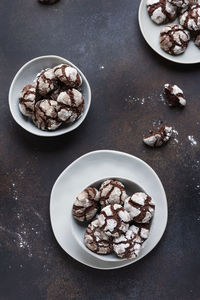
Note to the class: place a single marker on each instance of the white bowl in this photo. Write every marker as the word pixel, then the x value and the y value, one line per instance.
pixel 27 75
pixel 92 167
pixel 151 33
pixel 78 229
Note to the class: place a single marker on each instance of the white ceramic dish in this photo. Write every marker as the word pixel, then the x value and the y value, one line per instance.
pixel 26 75
pixel 151 33
pixel 78 229
pixel 93 167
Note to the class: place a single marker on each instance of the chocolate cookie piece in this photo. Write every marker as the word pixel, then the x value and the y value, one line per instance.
pixel 96 240
pixel 142 230
pixel 158 138
pixel 140 207
pixel 174 39
pixel 48 1
pixel 174 95
pixel 70 105
pixel 197 41
pixel 45 116
pixel 161 11
pixel 27 100
pixel 68 75
pixel 183 3
pixel 46 82
pixel 128 245
pixel 86 205
pixel 190 19
pixel 111 192
pixel 114 220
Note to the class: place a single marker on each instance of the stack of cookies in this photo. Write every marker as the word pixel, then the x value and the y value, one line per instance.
pixel 115 221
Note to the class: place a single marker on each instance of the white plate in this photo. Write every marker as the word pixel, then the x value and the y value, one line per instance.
pixel 151 33
pixel 92 167
pixel 26 75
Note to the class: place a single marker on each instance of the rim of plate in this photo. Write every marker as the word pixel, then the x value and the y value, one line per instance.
pixel 126 262
pixel 163 54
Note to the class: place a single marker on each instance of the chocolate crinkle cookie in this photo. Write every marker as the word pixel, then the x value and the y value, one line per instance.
pixel 45 115
pixel 27 100
pixel 114 220
pixel 86 205
pixel 190 19
pixel 183 3
pixel 174 39
pixel 140 207
pixel 158 138
pixel 111 192
pixel 70 105
pixel 174 95
pixel 161 11
pixel 128 245
pixel 68 75
pixel 197 41
pixel 48 1
pixel 96 240
pixel 46 82
pixel 141 229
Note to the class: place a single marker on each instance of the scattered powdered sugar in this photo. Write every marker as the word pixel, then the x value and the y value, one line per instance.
pixel 193 142
pixel 101 67
pixel 132 99
pixel 175 136
pixel 162 98
pixel 13 191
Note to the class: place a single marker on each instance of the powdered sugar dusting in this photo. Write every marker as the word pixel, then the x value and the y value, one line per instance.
pixel 192 140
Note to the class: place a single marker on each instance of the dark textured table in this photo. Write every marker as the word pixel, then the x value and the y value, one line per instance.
pixel 126 77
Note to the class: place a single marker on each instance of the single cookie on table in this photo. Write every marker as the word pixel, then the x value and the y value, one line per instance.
pixel 48 1
pixel 174 95
pixel 114 220
pixel 111 192
pixel 70 105
pixel 46 82
pixel 161 11
pixel 197 41
pixel 27 100
pixel 158 138
pixel 86 205
pixel 174 39
pixel 141 229
pixel 183 3
pixel 140 207
pixel 68 75
pixel 127 245
pixel 96 240
pixel 190 19
pixel 45 116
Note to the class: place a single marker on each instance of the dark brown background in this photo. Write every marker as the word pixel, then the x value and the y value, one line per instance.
pixel 93 34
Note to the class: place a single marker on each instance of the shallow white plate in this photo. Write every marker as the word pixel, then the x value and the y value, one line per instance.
pixel 26 75
pixel 151 33
pixel 93 167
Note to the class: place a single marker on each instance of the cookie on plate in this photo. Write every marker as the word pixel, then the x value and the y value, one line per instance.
pixel 140 207
pixel 174 39
pixel 96 240
pixel 111 192
pixel 114 220
pixel 161 11
pixel 190 19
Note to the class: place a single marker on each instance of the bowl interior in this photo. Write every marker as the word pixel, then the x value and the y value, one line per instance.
pixel 27 75
pixel 78 228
